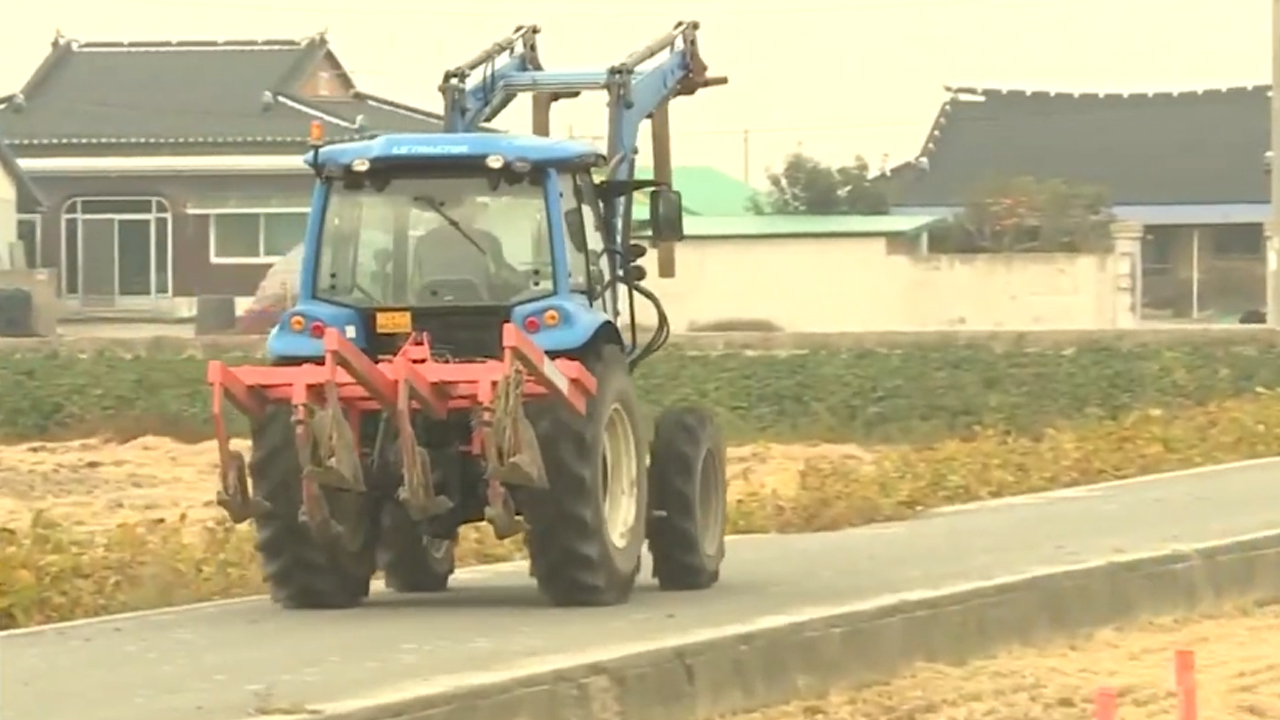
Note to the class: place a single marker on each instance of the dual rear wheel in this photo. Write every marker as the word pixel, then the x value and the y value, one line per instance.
pixel 611 488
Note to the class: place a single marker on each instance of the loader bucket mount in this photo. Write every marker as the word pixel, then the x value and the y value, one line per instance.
pixel 328 398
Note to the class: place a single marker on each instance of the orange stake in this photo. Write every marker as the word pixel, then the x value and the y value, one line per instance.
pixel 1184 678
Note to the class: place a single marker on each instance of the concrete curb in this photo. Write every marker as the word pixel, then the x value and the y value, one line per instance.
pixel 783 659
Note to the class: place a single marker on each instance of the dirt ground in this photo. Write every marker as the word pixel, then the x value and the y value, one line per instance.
pixel 1238 677
pixel 100 484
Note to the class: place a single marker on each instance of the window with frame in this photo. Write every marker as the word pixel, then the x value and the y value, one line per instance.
pixel 255 237
pixel 116 246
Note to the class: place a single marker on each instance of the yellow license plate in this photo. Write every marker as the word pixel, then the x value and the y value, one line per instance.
pixel 392 322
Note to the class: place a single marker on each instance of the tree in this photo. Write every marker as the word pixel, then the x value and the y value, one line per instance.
pixel 1029 215
pixel 806 186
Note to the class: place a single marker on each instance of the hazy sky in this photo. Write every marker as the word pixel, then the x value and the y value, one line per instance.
pixel 836 77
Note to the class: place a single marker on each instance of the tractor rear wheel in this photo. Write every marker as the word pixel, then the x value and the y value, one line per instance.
pixel 687 479
pixel 586 533
pixel 412 562
pixel 302 572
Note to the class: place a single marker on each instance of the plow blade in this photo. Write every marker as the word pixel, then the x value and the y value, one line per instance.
pixel 233 494
pixel 328 398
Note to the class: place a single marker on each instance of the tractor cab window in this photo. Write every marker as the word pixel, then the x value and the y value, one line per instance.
pixel 593 221
pixel 585 234
pixel 430 240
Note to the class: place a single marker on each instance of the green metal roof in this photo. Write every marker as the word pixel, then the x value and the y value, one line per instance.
pixel 705 191
pixel 764 226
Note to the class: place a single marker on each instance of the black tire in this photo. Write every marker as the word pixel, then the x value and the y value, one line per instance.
pixel 410 564
pixel 571 555
pixel 687 481
pixel 301 571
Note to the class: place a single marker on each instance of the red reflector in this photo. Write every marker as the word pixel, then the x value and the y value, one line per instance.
pixel 531 324
pixel 317 329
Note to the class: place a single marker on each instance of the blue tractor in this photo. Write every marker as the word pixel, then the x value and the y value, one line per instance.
pixel 456 353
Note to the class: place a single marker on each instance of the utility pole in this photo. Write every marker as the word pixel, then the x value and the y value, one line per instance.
pixel 1273 229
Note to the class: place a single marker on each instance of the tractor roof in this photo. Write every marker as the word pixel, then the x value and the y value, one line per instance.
pixel 533 149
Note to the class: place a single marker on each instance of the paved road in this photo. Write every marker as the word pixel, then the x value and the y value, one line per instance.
pixel 212 663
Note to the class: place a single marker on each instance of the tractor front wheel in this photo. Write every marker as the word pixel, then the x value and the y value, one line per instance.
pixel 303 572
pixel 687 478
pixel 586 532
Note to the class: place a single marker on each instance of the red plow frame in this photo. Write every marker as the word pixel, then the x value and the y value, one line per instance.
pixel 327 399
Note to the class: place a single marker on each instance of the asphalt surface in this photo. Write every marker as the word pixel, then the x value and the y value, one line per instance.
pixel 219 663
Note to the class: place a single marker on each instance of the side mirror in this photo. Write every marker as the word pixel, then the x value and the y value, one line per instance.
pixel 636 273
pixel 666 215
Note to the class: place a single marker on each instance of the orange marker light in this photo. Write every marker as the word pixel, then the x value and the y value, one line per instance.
pixel 317 132
pixel 551 318
pixel 297 324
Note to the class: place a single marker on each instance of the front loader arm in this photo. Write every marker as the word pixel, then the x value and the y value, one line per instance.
pixel 467 108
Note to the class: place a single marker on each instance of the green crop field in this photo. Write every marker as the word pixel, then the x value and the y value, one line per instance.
pixel 916 392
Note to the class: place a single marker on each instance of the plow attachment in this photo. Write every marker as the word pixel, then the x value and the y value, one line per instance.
pixel 328 399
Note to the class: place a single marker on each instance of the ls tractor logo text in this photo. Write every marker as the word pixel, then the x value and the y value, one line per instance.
pixel 431 150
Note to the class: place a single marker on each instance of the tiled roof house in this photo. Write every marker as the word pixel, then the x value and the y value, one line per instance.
pixel 1189 166
pixel 174 169
pixel 1167 158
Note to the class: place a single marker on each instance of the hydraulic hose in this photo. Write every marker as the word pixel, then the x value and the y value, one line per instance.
pixel 661 333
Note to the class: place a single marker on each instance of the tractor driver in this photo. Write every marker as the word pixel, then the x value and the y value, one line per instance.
pixel 467 251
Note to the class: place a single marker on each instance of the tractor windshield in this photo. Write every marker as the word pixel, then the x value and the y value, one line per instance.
pixel 429 240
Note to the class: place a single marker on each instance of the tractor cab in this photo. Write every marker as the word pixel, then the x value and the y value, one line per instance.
pixel 452 235
pixel 457 343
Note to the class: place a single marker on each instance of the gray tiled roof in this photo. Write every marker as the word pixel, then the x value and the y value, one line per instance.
pixel 234 92
pixel 29 199
pixel 1196 147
